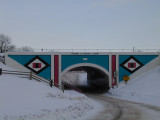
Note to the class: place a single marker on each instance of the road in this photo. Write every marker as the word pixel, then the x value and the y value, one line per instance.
pixel 115 109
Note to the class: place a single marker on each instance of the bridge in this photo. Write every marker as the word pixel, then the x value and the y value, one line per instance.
pixel 104 69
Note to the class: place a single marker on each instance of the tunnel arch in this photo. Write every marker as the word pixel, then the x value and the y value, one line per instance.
pixel 97 70
pixel 87 65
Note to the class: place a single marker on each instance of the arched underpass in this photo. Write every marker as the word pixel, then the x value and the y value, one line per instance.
pixel 96 81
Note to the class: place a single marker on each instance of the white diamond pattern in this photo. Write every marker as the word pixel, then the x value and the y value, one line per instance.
pixel 132 61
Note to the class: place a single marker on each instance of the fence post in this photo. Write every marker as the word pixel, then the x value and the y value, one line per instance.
pixel 30 75
pixel 51 83
pixel 63 87
pixel 0 71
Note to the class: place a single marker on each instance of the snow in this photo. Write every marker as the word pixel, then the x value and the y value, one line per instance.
pixel 24 99
pixel 143 89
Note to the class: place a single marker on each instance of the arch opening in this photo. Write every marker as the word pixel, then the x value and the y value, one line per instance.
pixel 87 79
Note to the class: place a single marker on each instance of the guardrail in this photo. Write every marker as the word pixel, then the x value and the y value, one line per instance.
pixel 31 76
pixel 97 50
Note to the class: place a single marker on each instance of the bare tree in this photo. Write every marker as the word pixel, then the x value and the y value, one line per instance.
pixel 5 44
pixel 11 48
pixel 25 49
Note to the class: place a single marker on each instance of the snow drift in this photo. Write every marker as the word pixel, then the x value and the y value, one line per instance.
pixel 144 89
pixel 30 100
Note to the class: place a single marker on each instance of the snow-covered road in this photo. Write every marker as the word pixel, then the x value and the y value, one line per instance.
pixel 116 109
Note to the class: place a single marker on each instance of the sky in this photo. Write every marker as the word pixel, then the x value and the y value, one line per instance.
pixel 82 24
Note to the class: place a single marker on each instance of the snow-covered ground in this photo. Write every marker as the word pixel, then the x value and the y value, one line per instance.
pixel 143 89
pixel 23 99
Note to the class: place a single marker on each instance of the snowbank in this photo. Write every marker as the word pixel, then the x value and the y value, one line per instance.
pixel 144 89
pixel 23 99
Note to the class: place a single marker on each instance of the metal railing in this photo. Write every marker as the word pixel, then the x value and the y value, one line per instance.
pixel 97 50
pixel 30 75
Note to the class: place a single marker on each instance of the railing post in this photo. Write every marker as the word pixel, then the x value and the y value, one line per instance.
pixel 30 75
pixel 133 49
pixel 0 71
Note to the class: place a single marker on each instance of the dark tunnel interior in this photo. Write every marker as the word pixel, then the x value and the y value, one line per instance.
pixel 97 80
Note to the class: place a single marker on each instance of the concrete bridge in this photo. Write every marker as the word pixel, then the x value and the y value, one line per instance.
pixel 109 67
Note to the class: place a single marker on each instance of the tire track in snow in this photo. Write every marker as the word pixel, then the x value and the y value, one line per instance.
pixel 116 109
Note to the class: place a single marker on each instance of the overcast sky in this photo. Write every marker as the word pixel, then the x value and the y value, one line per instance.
pixel 97 24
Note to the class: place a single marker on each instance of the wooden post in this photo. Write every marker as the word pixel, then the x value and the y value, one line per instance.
pixel 30 75
pixel 51 83
pixel 63 87
pixel 0 71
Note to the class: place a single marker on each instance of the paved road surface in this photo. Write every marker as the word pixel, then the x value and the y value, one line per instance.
pixel 115 109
